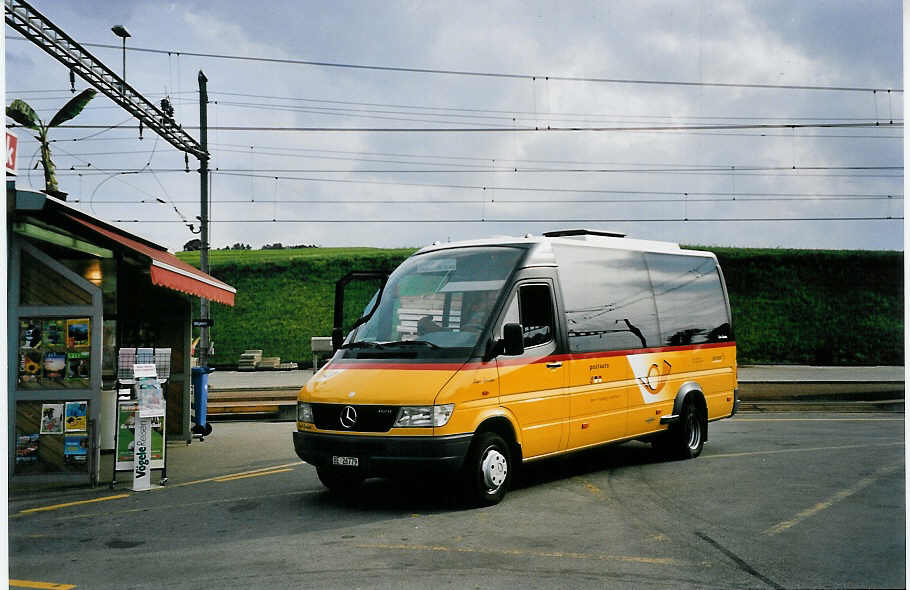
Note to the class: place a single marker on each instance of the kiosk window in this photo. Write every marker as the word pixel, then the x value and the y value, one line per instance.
pixel 533 309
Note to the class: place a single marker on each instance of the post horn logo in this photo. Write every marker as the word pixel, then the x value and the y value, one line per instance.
pixel 348 417
pixel 656 378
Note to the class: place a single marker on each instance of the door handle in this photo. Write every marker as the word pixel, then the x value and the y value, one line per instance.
pixel 554 365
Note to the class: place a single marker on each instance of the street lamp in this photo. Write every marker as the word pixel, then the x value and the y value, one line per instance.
pixel 121 32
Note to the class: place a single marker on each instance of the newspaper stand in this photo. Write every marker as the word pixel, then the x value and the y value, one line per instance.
pixel 132 364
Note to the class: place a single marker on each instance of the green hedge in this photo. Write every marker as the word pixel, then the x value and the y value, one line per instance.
pixel 816 307
pixel 789 306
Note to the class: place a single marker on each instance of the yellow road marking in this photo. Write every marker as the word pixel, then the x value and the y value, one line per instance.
pixel 219 478
pixel 68 504
pixel 798 450
pixel 46 585
pixel 524 553
pixel 258 474
pixel 819 419
pixel 593 489
pixel 834 499
pixel 231 475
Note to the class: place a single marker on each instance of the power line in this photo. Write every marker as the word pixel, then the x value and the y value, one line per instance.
pixel 507 120
pixel 853 171
pixel 484 187
pixel 508 114
pixel 518 76
pixel 723 134
pixel 538 128
pixel 296 152
pixel 527 221
pixel 560 202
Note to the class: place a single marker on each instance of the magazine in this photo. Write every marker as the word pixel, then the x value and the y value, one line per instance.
pixel 30 333
pixel 75 448
pixel 77 368
pixel 54 367
pixel 30 363
pixel 150 397
pixel 52 418
pixel 26 448
pixel 76 416
pixel 54 336
pixel 77 332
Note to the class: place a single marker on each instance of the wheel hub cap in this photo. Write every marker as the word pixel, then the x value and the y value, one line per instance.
pixel 495 469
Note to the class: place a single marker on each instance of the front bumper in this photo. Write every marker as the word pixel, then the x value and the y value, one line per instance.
pixel 385 455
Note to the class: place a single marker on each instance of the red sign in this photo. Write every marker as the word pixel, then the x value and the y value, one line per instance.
pixel 12 146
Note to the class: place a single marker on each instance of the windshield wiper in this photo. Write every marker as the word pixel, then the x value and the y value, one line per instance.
pixel 412 343
pixel 363 344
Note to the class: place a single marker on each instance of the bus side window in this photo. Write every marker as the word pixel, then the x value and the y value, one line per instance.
pixel 533 309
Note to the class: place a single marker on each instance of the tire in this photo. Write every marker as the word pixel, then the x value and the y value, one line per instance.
pixel 488 470
pixel 339 480
pixel 686 438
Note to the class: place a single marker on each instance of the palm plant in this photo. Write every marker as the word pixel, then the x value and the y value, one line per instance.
pixel 20 112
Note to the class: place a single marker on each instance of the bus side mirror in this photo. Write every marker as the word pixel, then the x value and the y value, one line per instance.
pixel 513 339
pixel 337 338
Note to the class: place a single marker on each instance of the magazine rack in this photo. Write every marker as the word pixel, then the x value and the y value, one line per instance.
pixel 127 404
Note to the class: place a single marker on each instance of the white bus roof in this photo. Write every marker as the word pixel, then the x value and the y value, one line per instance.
pixel 543 253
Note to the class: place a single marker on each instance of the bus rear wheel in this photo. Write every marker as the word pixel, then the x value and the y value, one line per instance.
pixel 686 438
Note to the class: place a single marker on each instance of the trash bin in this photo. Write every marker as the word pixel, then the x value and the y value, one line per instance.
pixel 201 399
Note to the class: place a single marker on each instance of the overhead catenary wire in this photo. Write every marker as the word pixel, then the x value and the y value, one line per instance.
pixel 475 113
pixel 478 186
pixel 506 121
pixel 470 73
pixel 528 221
pixel 549 202
pixel 509 113
pixel 818 171
pixel 531 129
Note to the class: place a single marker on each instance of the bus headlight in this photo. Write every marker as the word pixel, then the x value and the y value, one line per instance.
pixel 304 412
pixel 424 416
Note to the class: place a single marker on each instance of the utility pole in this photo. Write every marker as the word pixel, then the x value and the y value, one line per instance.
pixel 203 215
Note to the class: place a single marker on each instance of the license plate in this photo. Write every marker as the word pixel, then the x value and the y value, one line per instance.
pixel 346 461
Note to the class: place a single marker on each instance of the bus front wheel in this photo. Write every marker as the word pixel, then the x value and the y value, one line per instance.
pixel 488 470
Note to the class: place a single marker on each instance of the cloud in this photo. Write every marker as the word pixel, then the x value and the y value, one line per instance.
pixel 768 43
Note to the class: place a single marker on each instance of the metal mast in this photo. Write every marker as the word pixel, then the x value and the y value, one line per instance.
pixel 39 30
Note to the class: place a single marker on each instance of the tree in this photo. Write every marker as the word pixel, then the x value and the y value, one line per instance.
pixel 20 112
pixel 193 245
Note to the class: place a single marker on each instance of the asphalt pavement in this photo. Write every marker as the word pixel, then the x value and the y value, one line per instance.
pixel 796 500
pixel 251 444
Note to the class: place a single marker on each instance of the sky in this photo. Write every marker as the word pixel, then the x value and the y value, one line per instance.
pixel 380 171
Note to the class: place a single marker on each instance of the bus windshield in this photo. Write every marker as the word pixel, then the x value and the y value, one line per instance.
pixel 435 304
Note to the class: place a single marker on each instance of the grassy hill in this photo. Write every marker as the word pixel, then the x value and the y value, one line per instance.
pixel 789 306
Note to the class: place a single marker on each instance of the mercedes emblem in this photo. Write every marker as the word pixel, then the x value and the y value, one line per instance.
pixel 348 417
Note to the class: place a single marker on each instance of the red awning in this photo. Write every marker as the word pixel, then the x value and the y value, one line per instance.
pixel 166 269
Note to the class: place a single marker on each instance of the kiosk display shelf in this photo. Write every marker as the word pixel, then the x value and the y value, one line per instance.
pixel 139 439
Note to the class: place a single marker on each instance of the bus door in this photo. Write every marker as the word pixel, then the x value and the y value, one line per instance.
pixel 533 384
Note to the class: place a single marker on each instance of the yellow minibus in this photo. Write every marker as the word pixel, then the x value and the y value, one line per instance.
pixel 478 356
